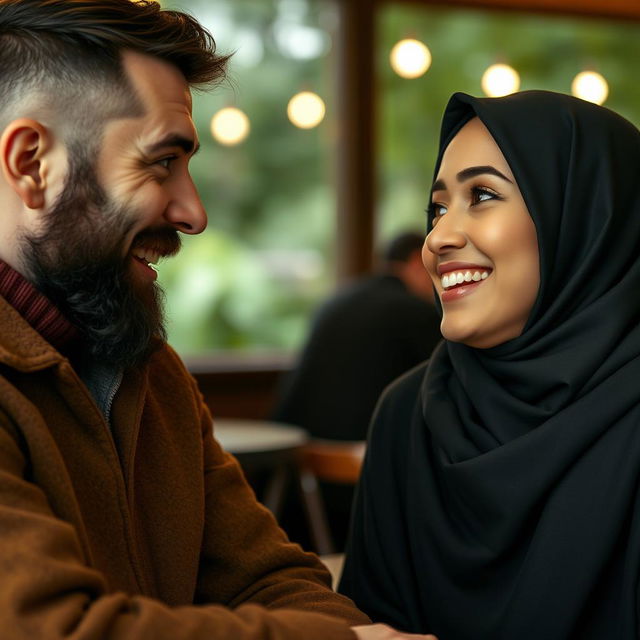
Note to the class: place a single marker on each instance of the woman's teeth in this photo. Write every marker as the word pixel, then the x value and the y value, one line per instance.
pixel 455 278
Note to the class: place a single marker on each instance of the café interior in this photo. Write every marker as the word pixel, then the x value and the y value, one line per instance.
pixel 299 201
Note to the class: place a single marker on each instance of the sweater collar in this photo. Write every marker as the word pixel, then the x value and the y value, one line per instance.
pixel 37 309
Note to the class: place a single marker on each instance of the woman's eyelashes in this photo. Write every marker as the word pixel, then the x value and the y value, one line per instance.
pixel 480 194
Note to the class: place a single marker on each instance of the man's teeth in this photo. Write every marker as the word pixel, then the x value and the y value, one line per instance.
pixel 147 255
pixel 454 278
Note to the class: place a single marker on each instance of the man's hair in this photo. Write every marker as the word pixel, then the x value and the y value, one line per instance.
pixel 63 58
pixel 401 247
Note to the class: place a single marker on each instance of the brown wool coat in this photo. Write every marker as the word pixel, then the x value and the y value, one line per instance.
pixel 146 531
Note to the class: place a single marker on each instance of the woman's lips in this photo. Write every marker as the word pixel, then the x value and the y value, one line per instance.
pixel 451 295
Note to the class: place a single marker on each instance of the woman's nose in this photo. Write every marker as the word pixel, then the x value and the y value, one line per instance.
pixel 447 235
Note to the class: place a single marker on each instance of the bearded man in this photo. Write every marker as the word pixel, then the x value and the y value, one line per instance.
pixel 120 515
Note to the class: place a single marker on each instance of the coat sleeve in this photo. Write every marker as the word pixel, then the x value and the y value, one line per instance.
pixel 248 560
pixel 48 592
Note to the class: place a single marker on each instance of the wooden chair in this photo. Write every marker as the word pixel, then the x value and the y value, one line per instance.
pixel 333 461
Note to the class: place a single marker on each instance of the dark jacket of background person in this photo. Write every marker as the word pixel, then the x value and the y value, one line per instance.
pixel 369 333
pixel 95 537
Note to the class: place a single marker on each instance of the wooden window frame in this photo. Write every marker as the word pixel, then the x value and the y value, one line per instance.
pixel 356 109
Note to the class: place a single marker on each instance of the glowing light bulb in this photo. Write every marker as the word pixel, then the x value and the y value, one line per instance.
pixel 500 80
pixel 590 86
pixel 306 110
pixel 230 126
pixel 410 58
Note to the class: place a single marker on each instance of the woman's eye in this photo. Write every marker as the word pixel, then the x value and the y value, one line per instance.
pixel 436 211
pixel 482 194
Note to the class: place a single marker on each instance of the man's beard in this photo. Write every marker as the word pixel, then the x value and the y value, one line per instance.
pixel 77 262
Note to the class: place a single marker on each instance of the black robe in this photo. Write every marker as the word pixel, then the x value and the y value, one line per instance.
pixel 499 497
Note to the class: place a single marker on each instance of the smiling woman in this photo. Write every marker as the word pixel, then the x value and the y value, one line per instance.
pixel 477 253
pixel 500 483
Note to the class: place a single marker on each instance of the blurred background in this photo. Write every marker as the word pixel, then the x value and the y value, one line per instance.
pixel 249 284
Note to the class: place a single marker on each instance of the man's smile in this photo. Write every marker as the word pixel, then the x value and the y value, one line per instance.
pixel 151 245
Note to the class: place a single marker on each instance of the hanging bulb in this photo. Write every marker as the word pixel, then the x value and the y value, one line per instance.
pixel 410 58
pixel 591 86
pixel 230 126
pixel 306 110
pixel 500 80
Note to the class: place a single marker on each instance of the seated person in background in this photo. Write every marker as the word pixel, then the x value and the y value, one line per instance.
pixel 365 336
pixel 500 484
pixel 120 516
pixel 361 339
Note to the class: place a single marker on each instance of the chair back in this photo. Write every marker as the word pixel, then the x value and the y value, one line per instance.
pixel 334 460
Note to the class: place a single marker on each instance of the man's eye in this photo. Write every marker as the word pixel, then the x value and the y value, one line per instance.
pixel 165 163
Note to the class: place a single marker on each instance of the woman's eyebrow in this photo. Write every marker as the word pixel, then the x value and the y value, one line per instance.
pixel 471 172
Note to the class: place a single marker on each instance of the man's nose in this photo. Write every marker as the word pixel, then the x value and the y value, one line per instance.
pixel 185 210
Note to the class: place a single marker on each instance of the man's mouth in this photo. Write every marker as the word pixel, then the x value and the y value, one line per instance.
pixel 454 279
pixel 151 245
pixel 146 256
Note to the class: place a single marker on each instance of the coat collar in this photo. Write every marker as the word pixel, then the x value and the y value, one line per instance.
pixel 21 346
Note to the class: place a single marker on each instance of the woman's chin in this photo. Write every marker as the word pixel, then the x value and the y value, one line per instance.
pixel 474 337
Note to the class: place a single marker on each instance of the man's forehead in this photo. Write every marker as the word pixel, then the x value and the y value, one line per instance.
pixel 156 81
pixel 166 99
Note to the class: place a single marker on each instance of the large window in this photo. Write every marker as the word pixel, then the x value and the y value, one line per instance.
pixel 251 279
pixel 547 52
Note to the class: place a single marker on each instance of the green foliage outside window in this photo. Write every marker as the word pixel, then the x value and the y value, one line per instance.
pixel 252 280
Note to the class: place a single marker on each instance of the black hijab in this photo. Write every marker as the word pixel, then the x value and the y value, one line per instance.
pixel 499 497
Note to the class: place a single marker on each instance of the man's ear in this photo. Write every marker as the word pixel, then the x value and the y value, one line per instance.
pixel 23 146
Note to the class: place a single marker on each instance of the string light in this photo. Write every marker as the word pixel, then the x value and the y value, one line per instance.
pixel 500 80
pixel 306 110
pixel 230 126
pixel 410 58
pixel 591 86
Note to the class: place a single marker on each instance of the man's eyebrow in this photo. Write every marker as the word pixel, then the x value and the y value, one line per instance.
pixel 471 172
pixel 188 145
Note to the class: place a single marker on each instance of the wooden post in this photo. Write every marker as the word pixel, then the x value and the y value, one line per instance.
pixel 356 152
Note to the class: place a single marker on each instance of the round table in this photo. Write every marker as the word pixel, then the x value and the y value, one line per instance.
pixel 263 446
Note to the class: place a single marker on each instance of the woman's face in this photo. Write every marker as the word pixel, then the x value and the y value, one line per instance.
pixel 482 252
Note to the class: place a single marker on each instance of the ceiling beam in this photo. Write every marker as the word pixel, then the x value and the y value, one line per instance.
pixel 613 9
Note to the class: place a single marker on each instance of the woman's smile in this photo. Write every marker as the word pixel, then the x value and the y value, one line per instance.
pixel 459 279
